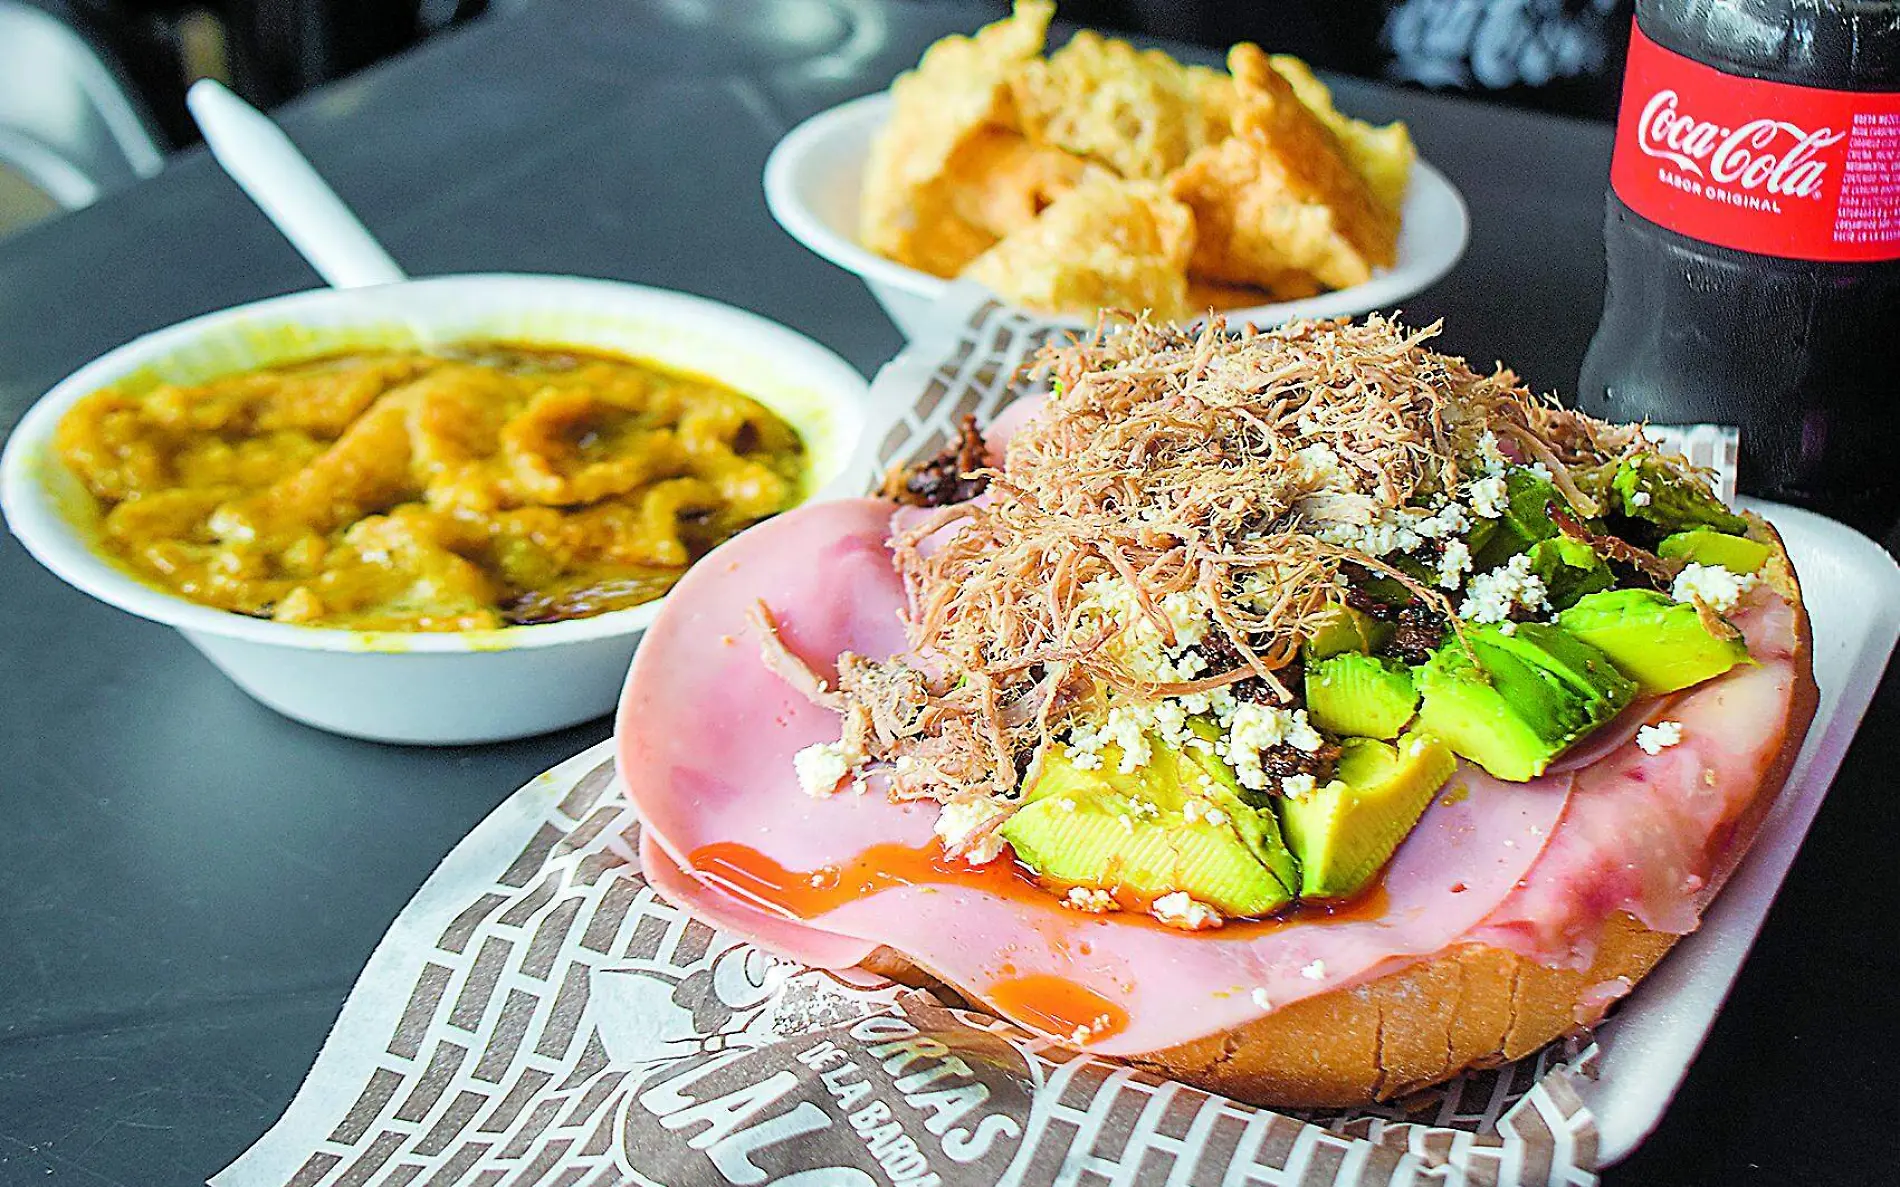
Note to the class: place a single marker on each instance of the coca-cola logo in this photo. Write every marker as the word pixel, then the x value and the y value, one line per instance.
pixel 1766 154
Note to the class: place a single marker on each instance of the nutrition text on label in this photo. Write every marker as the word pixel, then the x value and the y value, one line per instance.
pixel 1869 208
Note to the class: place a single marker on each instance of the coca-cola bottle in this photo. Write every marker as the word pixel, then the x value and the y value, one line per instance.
pixel 1753 236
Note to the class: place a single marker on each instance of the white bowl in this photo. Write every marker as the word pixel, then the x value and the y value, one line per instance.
pixel 470 686
pixel 814 174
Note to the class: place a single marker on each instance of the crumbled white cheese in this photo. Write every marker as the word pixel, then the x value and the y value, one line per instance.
pixel 1187 665
pixel 1082 1034
pixel 1718 588
pixel 967 825
pixel 1318 466
pixel 1488 496
pixel 1189 914
pixel 1261 999
pixel 1492 596
pixel 1140 645
pixel 1203 810
pixel 1129 728
pixel 1448 520
pixel 1654 739
pixel 1490 456
pixel 1314 971
pixel 1453 563
pixel 1144 810
pixel 1254 728
pixel 1296 787
pixel 1639 498
pixel 1093 900
pixel 1398 530
pixel 1125 728
pixel 822 766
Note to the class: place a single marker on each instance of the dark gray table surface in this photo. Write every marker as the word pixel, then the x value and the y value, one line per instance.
pixel 192 883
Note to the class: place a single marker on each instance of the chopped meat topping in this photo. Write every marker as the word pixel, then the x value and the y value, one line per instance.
pixel 1184 512
pixel 1287 762
pixel 1223 656
pixel 1653 570
pixel 1418 628
pixel 1417 633
pixel 953 476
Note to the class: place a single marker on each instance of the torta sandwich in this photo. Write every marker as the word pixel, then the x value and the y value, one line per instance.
pixel 1300 714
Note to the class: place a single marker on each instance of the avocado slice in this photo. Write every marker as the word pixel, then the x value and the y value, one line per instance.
pixel 1584 667
pixel 1104 830
pixel 1528 696
pixel 1360 695
pixel 1345 832
pixel 1648 490
pixel 1346 629
pixel 1528 497
pixel 1569 569
pixel 1706 546
pixel 1659 643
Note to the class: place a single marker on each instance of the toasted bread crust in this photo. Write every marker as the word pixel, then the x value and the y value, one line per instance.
pixel 1471 1005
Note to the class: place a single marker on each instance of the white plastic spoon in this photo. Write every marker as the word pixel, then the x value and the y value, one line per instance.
pixel 268 167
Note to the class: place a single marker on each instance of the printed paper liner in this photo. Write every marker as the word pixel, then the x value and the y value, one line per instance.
pixel 539 1016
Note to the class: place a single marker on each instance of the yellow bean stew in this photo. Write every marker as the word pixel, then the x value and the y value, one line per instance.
pixel 475 488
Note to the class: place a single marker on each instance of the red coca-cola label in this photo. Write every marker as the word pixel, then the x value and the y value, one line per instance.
pixel 1766 167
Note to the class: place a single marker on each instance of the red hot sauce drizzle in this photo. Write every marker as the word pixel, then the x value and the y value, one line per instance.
pixel 1054 1005
pixel 742 871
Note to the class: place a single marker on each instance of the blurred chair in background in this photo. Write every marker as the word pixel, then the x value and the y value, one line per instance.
pixel 69 130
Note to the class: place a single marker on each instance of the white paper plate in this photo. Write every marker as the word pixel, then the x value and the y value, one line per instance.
pixel 1852 590
pixel 814 174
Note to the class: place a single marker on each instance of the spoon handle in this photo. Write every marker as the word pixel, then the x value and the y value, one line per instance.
pixel 268 167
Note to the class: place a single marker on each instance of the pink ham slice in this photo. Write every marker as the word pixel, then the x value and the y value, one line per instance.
pixel 707 734
pixel 1652 834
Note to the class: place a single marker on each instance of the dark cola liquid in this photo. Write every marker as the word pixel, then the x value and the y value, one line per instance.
pixel 1802 355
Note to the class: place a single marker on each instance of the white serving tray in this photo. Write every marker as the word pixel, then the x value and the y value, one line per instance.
pixel 1852 590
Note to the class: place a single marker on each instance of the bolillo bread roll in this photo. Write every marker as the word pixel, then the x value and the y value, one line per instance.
pixel 1472 1005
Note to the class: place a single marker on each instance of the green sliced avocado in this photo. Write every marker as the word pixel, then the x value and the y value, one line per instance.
pixel 1346 629
pixel 1345 832
pixel 1360 695
pixel 1584 667
pixel 1105 830
pixel 1569 569
pixel 1647 489
pixel 1660 644
pixel 1706 546
pixel 1523 702
pixel 1524 521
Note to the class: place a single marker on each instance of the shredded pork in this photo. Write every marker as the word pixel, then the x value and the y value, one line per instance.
pixel 1227 467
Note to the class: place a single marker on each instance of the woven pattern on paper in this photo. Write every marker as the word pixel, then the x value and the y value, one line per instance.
pixel 566 1026
pixel 982 367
